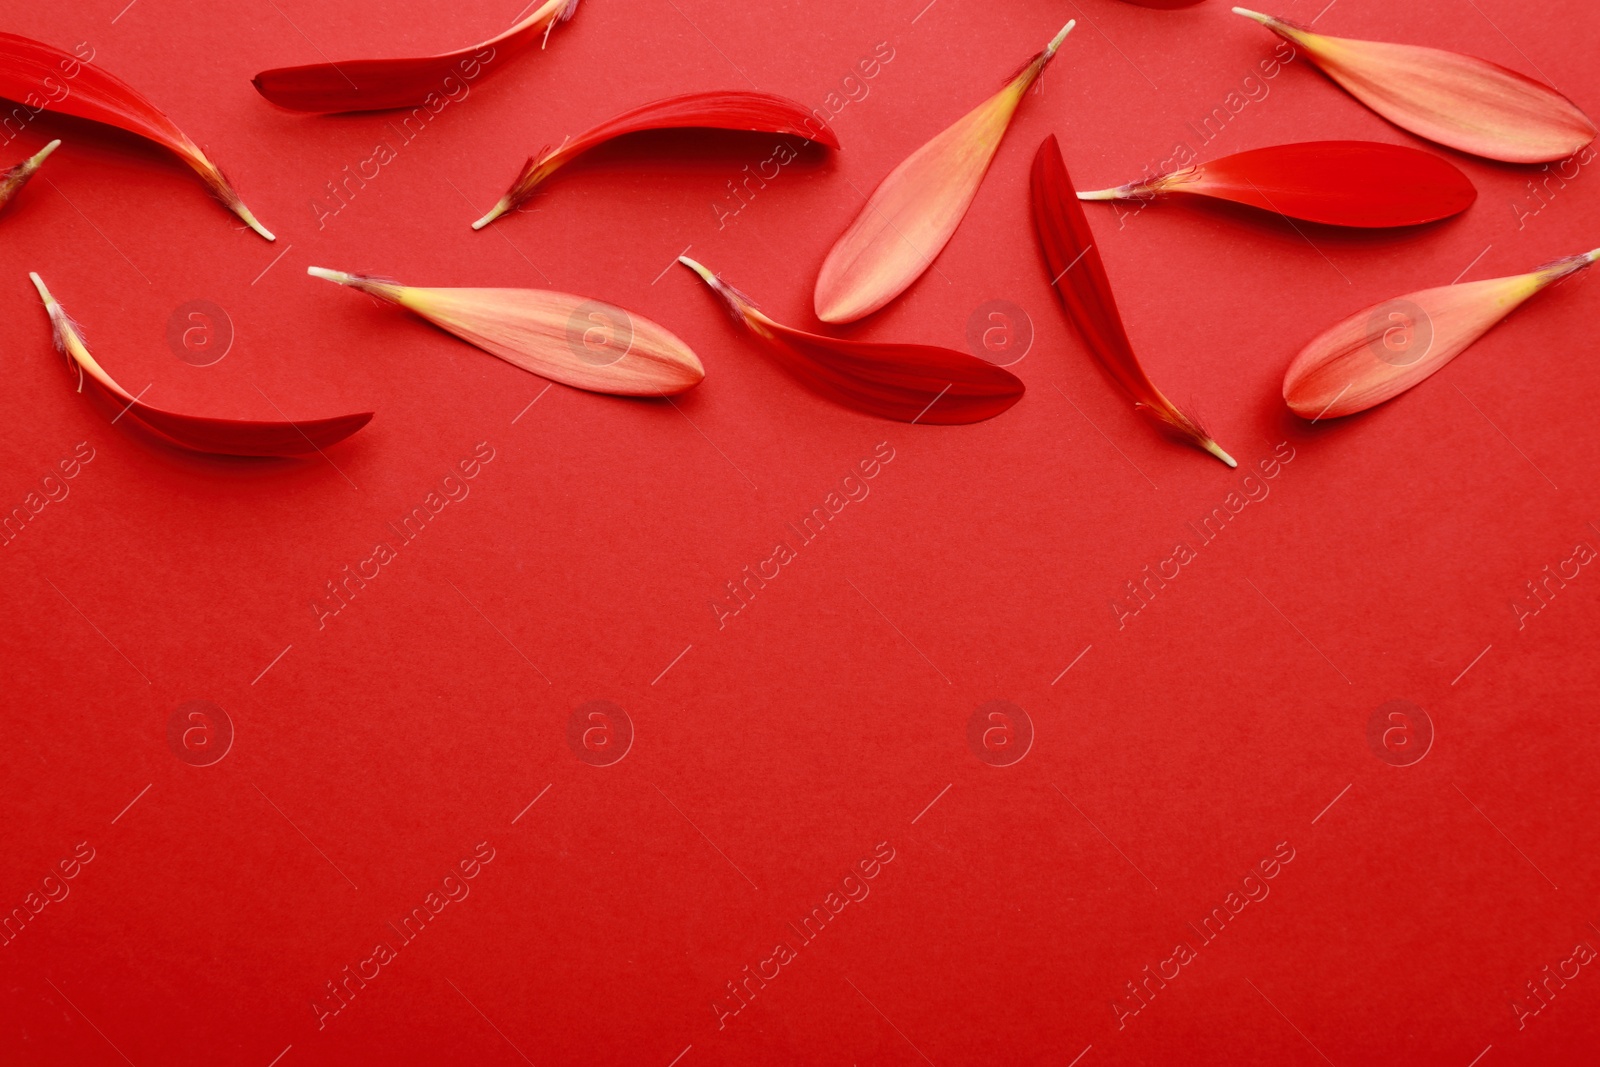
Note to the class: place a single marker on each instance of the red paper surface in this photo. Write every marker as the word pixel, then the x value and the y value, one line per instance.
pixel 1240 717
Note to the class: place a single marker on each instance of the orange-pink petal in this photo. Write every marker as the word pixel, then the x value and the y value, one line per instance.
pixel 579 342
pixel 915 210
pixel 1381 351
pixel 1456 100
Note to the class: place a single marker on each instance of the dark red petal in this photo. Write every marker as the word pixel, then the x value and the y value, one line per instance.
pixel 746 111
pixel 380 84
pixel 239 437
pixel 234 437
pixel 920 383
pixel 228 437
pixel 35 73
pixel 1077 272
pixel 1079 279
pixel 910 383
pixel 29 68
pixel 729 110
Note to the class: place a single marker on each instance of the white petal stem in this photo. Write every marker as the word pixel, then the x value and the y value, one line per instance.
pixel 1055 42
pixel 495 212
pixel 705 275
pixel 337 276
pixel 1216 450
pixel 250 220
pixel 42 155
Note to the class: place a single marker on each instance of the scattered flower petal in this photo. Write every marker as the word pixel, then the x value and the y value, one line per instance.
pixel 1456 100
pixel 911 383
pixel 380 84
pixel 34 73
pixel 1381 351
pixel 754 112
pixel 224 437
pixel 12 181
pixel 578 342
pixel 1337 183
pixel 1079 279
pixel 914 212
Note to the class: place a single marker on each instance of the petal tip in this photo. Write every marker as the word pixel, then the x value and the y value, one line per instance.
pixel 1055 42
pixel 834 316
pixel 1217 450
pixel 705 275
pixel 250 220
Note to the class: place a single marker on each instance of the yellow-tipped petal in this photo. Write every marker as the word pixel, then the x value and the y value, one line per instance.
pixel 587 344
pixel 916 209
pixel 1457 100
pixel 1381 351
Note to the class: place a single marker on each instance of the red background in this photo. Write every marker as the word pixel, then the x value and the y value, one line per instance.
pixel 774 753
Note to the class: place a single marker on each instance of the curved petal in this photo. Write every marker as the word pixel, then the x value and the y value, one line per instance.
pixel 225 437
pixel 753 112
pixel 33 72
pixel 1079 279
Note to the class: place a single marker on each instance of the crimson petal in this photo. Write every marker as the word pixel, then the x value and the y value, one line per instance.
pixel 754 112
pixel 379 84
pixel 33 73
pixel 909 383
pixel 1079 279
pixel 225 437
